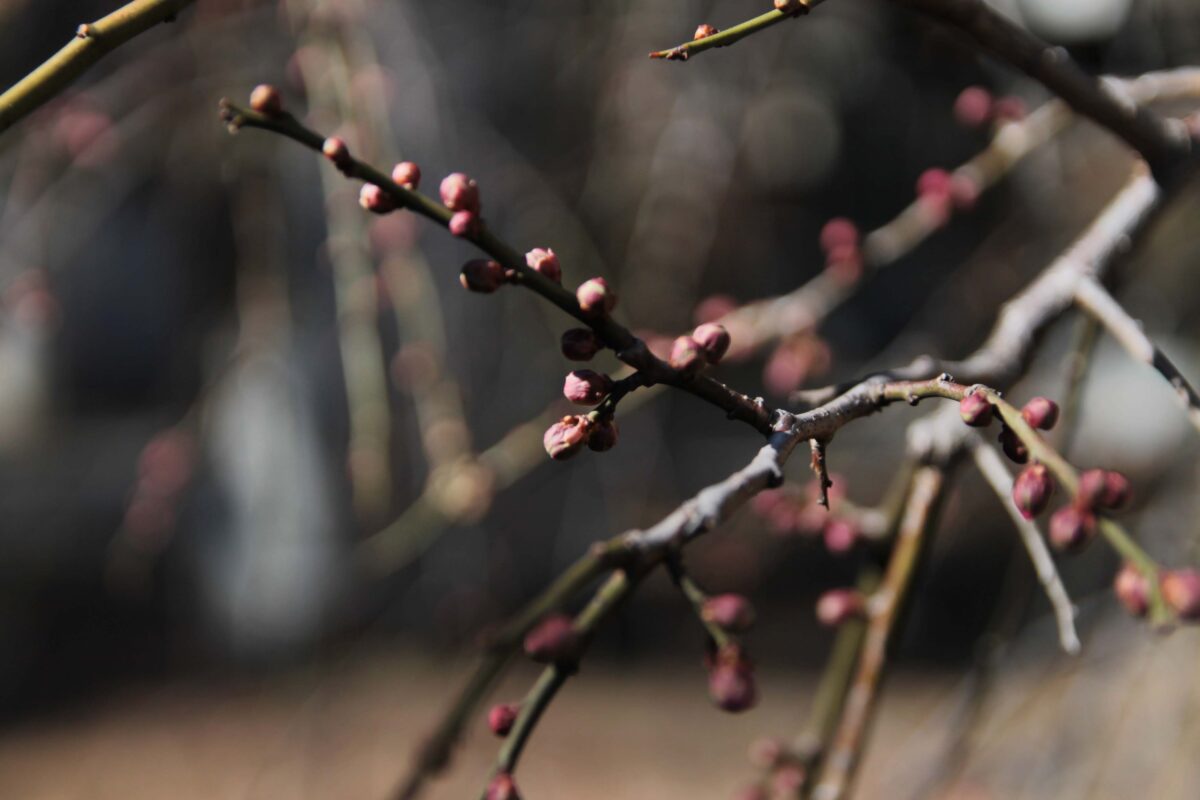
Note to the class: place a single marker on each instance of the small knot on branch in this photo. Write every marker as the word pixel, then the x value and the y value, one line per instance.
pixel 85 31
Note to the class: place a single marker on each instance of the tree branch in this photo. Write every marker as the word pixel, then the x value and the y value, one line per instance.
pixel 730 35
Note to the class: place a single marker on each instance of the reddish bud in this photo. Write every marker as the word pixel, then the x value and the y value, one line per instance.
pixel 935 182
pixel 502 787
pixel 839 536
pixel 704 31
pixel 732 612
pixel 788 780
pixel 1103 489
pixel 1181 589
pixel 1032 489
pixel 460 193
pixel 1040 413
pixel 1071 528
pixel 375 200
pixel 839 605
pixel 580 344
pixel 604 435
pixel 731 680
pixel 1013 447
pixel 595 297
pixel 789 6
pixel 713 340
pixel 585 387
pixel 1009 109
pixel 838 232
pixel 686 355
pixel 552 639
pixel 566 437
pixel 712 308
pixel 265 99
pixel 1133 590
pixel 975 410
pixel 482 275
pixel 463 223
pixel 973 106
pixel 543 261
pixel 334 148
pixel 407 174
pixel 501 717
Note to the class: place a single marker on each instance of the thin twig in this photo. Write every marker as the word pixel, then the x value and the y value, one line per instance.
pixel 730 35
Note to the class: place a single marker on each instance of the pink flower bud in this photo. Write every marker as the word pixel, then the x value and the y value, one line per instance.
pixel 731 680
pixel 838 232
pixel 334 148
pixel 975 410
pixel 595 297
pixel 463 223
pixel 686 355
pixel 1133 590
pixel 934 181
pixel 1071 528
pixel 502 787
pixel 1032 489
pixel 460 193
pixel 407 174
pixel 566 437
pixel 732 612
pixel 266 100
pixel 580 344
pixel 585 387
pixel 839 536
pixel 789 6
pixel 482 275
pixel 973 106
pixel 501 717
pixel 1009 109
pixel 1103 489
pixel 787 780
pixel 552 639
pixel 713 340
pixel 604 435
pixel 375 200
pixel 544 262
pixel 839 605
pixel 1040 413
pixel 1181 589
pixel 1013 447
pixel 704 31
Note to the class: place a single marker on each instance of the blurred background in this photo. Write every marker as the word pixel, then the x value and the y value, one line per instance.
pixel 248 539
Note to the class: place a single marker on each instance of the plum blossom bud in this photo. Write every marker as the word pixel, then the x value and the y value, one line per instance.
pixel 375 200
pixel 1103 489
pixel 552 639
pixel 334 148
pixel 266 100
pixel 731 612
pixel 501 717
pixel 604 435
pixel 1012 446
pixel 463 223
pixel 933 181
pixel 580 344
pixel 482 275
pixel 973 106
pixel 566 437
pixel 789 6
pixel 686 355
pixel 460 193
pixel 1040 413
pixel 595 297
pixel 731 680
pixel 713 340
pixel 839 536
pixel 1133 590
pixel 1181 589
pixel 407 174
pixel 839 605
pixel 975 410
pixel 585 387
pixel 838 232
pixel 1032 489
pixel 544 262
pixel 1071 528
pixel 502 787
pixel 704 31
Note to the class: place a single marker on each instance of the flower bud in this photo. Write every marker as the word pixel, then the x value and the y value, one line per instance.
pixel 934 182
pixel 838 232
pixel 463 223
pixel 686 355
pixel 732 612
pixel 975 410
pixel 839 536
pixel 1032 489
pixel 595 297
pixel 1071 528
pixel 544 262
pixel 552 639
pixel 566 437
pixel 713 340
pixel 502 787
pixel 375 200
pixel 580 344
pixel 704 31
pixel 585 387
pixel 604 435
pixel 334 148
pixel 787 780
pixel 1009 109
pixel 407 174
pixel 973 106
pixel 840 605
pixel 460 193
pixel 1040 413
pixel 731 680
pixel 1181 589
pixel 1103 489
pixel 789 6
pixel 1012 446
pixel 501 718
pixel 1133 590
pixel 482 275
pixel 266 100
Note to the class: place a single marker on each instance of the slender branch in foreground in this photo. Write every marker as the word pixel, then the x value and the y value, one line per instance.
pixel 992 469
pixel 1096 301
pixel 91 43
pixel 1083 345
pixel 730 35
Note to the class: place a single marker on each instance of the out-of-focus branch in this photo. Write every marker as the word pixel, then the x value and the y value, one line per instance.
pixel 783 11
pixel 1096 301
pixel 1083 345
pixel 91 43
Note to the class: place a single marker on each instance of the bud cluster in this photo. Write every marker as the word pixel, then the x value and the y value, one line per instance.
pixel 1074 525
pixel 567 437
pixel 460 194
pixel 941 193
pixel 975 106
